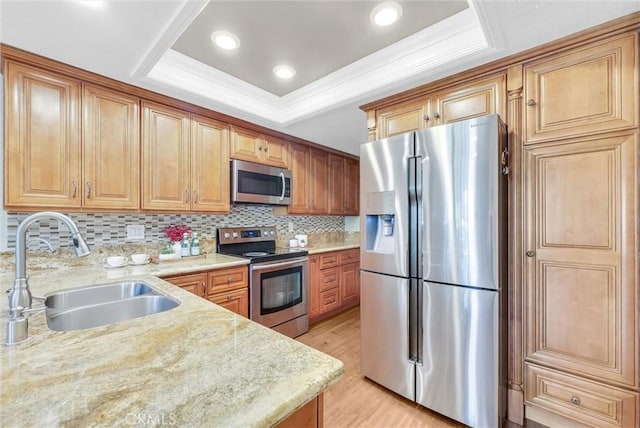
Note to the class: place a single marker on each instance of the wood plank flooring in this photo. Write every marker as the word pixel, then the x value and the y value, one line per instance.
pixel 354 401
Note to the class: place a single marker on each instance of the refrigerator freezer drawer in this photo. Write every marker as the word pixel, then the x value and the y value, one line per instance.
pixel 459 376
pixel 384 335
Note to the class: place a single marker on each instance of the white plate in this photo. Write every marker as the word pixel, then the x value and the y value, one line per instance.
pixel 113 267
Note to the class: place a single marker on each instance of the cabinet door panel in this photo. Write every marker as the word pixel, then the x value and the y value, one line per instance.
pixel 350 283
pixel 111 127
pixel 336 184
pixel 320 182
pixel 351 194
pixel 165 154
pixel 209 165
pixel 404 118
pixel 301 179
pixel 479 99
pixel 276 153
pixel 581 273
pixel 228 279
pixel 42 147
pixel 195 283
pixel 582 91
pixel 246 145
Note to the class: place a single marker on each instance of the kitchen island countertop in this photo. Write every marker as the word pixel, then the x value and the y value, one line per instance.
pixel 195 365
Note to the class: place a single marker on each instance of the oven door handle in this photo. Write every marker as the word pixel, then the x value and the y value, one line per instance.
pixel 283 185
pixel 268 265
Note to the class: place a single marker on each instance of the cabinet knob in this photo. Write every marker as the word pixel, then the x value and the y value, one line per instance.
pixel 531 253
pixel 436 115
pixel 186 193
pixel 88 189
pixel 266 148
pixel 260 148
pixel 195 196
pixel 531 102
pixel 426 117
pixel 229 297
pixel 74 192
pixel 229 280
pixel 575 400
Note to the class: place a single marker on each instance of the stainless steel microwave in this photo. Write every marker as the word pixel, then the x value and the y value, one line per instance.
pixel 259 184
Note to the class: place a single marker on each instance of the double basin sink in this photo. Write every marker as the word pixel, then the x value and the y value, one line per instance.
pixel 104 304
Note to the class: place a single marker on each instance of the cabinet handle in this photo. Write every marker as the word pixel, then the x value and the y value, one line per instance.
pixel 74 192
pixel 229 297
pixel 260 148
pixel 531 253
pixel 229 280
pixel 426 117
pixel 204 288
pixel 531 102
pixel 88 189
pixel 436 115
pixel 575 400
pixel 266 148
pixel 195 196
pixel 186 194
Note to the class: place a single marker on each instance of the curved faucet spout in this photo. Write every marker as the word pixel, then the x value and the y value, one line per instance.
pixel 20 297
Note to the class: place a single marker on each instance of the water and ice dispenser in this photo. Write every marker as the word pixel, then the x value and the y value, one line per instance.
pixel 380 222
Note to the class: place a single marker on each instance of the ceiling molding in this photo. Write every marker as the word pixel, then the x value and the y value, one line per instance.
pixel 455 37
pixel 168 36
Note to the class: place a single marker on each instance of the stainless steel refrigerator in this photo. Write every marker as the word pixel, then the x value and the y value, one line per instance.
pixel 433 267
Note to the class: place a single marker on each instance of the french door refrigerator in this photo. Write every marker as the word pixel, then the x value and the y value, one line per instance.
pixel 433 277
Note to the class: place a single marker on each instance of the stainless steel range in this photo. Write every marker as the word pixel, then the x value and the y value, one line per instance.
pixel 278 277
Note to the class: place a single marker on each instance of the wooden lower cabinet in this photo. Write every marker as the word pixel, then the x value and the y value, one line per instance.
pixel 308 416
pixel 334 282
pixel 586 401
pixel 228 287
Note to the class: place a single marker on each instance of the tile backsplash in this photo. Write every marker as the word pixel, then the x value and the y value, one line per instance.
pixel 110 229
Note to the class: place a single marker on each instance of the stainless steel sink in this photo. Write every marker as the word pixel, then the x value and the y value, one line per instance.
pixel 95 294
pixel 99 305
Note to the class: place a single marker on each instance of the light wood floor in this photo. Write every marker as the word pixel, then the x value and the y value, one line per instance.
pixel 354 401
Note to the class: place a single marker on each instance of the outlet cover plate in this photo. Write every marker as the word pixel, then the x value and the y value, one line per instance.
pixel 135 232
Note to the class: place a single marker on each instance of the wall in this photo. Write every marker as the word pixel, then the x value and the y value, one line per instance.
pixel 110 229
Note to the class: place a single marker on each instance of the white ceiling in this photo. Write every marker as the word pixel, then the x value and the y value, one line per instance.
pixel 149 44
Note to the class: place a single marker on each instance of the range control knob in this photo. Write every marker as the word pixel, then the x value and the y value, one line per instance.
pixel 227 235
pixel 235 234
pixel 272 233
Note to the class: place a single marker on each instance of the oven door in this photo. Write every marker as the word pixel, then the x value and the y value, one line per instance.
pixel 278 291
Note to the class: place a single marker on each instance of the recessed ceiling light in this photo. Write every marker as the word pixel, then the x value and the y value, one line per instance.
pixel 386 13
pixel 225 40
pixel 284 71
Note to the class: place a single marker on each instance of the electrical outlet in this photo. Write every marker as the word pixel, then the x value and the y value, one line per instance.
pixel 290 226
pixel 135 232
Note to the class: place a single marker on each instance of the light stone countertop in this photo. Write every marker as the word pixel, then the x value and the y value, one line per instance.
pixel 331 246
pixel 192 366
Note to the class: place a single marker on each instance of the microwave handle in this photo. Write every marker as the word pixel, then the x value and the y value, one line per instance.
pixel 283 185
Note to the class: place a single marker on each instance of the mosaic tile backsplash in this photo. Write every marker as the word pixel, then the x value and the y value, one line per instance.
pixel 107 229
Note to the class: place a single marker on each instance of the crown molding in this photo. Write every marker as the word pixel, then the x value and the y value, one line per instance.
pixel 458 36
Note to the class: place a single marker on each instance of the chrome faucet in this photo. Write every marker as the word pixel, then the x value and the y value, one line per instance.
pixel 20 298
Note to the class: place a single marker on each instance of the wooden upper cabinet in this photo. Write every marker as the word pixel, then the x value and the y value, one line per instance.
pixel 478 98
pixel 42 147
pixel 300 180
pixel 111 147
pixel 254 147
pixel 165 158
pixel 582 91
pixel 343 185
pixel 209 165
pixel 398 119
pixel 185 161
pixel 318 189
pixel 580 265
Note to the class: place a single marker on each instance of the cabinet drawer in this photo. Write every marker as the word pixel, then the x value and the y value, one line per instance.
pixel 329 278
pixel 227 279
pixel 328 260
pixel 350 256
pixel 194 283
pixel 236 301
pixel 330 299
pixel 585 401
